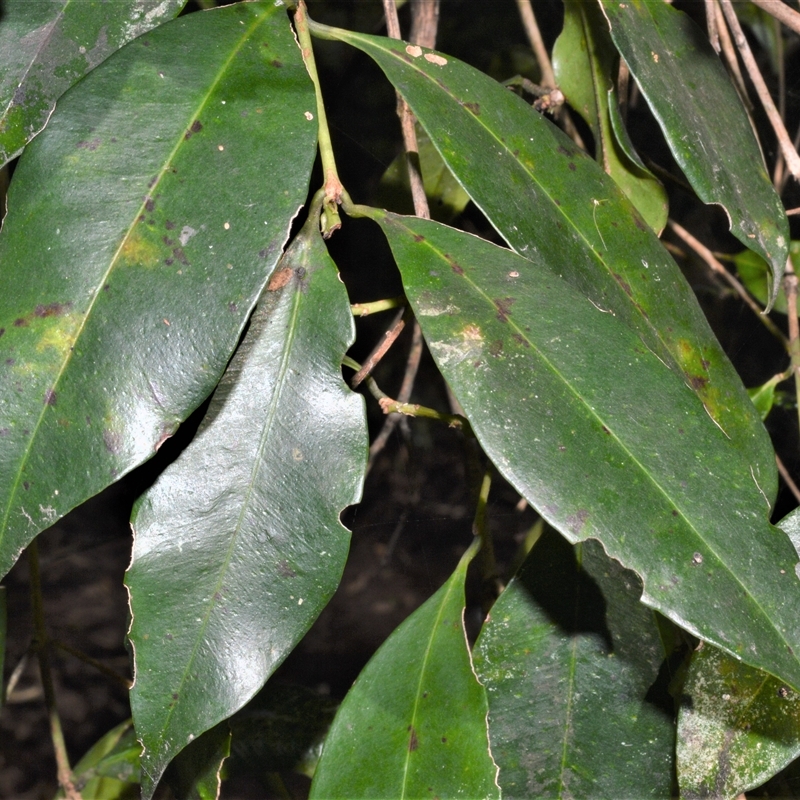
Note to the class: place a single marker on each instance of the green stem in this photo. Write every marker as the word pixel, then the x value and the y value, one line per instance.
pixel 41 645
pixel 330 221
pixel 490 581
pixel 363 309
pixel 391 406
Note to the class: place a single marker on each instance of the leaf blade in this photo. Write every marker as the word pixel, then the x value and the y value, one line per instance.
pixel 511 160
pixel 707 131
pixel 563 422
pixel 238 546
pixel 129 290
pixel 48 46
pixel 566 630
pixel 416 711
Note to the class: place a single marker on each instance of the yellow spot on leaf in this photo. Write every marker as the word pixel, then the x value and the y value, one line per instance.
pixel 138 250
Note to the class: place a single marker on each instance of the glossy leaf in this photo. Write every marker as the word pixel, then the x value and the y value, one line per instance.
pixel 238 545
pixel 414 723
pixel 584 61
pixel 134 273
pixel 754 274
pixel 567 656
pixel 763 397
pixel 737 727
pixel 196 774
pixel 605 441
pixel 703 120
pixel 48 45
pixel 554 204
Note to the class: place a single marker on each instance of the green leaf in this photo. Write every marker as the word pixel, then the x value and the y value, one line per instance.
pixel 48 45
pixel 584 61
pixel 110 768
pixel 281 728
pixel 737 727
pixel 552 203
pixel 414 723
pixel 445 196
pixel 196 773
pixel 763 397
pixel 605 441
pixel 238 545
pixel 754 274
pixel 141 230
pixel 703 120
pixel 567 657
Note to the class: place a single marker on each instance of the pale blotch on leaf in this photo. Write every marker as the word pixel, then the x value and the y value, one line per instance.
pixel 414 51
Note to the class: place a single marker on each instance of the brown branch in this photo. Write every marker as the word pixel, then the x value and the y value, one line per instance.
pixel 783 13
pixel 787 478
pixel 424 22
pixel 729 51
pixel 537 43
pixel 403 396
pixel 785 143
pixel 380 349
pixel 712 262
pixel 711 24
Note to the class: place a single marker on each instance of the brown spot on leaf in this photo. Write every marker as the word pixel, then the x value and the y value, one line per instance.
pixel 639 222
pixel 576 522
pixel 413 742
pixel 697 382
pixel 169 261
pixel 572 167
pixel 263 253
pixel 195 127
pixel 20 322
pixel 503 306
pixel 606 430
pixel 169 225
pixel 26 485
pixel 167 241
pixel 180 255
pixel 279 279
pixel 52 309
pixel 285 570
pixel 93 145
pixel 473 108
pixel 50 397
pixel 496 348
pixel 2 331
pixel 418 237
pixel 149 203
pixel 623 283
pixel 520 339
pixel 277 64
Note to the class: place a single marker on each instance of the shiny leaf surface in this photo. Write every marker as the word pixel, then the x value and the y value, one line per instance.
pixel 703 120
pixel 48 45
pixel 606 442
pixel 552 203
pixel 584 61
pixel 567 656
pixel 737 727
pixel 134 273
pixel 238 545
pixel 414 723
